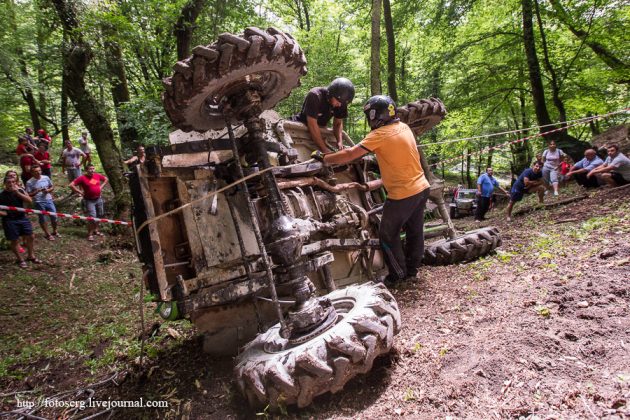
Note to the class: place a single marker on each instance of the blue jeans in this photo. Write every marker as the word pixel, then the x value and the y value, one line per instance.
pixel 47 205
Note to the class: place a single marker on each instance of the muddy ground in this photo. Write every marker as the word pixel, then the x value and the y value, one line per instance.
pixel 541 329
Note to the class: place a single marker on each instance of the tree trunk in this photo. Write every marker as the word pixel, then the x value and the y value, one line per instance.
pixel 391 51
pixel 77 56
pixel 535 78
pixel 65 122
pixel 119 88
pixel 555 90
pixel 468 162
pixel 41 64
pixel 602 52
pixel 521 156
pixel 375 58
pixel 185 27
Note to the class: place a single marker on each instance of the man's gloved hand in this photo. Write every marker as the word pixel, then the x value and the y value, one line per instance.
pixel 318 155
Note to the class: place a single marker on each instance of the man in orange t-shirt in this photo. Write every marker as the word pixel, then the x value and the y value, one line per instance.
pixel 407 188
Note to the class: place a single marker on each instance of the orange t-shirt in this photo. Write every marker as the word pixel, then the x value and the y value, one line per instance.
pixel 398 158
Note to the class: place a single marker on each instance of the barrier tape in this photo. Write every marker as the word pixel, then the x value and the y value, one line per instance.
pixel 66 215
pixel 534 127
pixel 499 146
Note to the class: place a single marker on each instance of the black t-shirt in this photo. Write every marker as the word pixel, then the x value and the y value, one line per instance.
pixel 316 105
pixel 11 199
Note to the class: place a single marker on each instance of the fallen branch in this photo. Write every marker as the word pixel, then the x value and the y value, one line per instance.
pixel 566 221
pixel 551 205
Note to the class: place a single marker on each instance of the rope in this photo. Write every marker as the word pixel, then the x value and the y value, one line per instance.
pixel 483 136
pixel 67 215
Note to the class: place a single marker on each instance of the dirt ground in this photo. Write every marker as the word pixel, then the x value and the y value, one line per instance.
pixel 541 329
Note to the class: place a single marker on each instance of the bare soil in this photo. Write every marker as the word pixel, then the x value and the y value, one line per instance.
pixel 541 329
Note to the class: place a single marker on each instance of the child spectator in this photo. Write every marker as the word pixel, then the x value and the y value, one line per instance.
pixel 39 188
pixel 15 224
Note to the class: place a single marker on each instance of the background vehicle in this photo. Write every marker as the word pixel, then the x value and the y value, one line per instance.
pixel 464 203
pixel 243 234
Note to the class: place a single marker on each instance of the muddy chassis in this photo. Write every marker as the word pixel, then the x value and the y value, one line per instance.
pixel 290 254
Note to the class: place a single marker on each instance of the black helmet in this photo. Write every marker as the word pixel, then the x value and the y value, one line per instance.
pixel 341 89
pixel 380 110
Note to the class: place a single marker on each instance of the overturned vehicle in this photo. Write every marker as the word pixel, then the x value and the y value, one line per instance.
pixel 266 251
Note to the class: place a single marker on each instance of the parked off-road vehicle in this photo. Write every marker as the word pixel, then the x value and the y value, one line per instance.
pixel 260 246
pixel 464 203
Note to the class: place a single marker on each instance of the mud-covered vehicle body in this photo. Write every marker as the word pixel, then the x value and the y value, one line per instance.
pixel 269 253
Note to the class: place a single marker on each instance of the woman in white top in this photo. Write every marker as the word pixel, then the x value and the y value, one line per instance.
pixel 552 157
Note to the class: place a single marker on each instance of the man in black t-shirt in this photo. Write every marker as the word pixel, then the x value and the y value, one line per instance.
pixel 321 104
pixel 15 224
pixel 530 181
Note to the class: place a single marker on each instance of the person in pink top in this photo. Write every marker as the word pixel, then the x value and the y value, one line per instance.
pixel 89 186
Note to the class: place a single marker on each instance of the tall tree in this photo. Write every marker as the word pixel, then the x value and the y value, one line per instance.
pixel 375 54
pixel 185 27
pixel 391 51
pixel 77 55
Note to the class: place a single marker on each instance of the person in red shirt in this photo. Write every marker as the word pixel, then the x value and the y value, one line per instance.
pixel 90 189
pixel 43 137
pixel 25 152
pixel 43 157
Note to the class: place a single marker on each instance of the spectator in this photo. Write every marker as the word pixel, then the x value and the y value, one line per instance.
pixel 583 167
pixel 565 167
pixel 138 158
pixel 15 224
pixel 485 187
pixel 552 158
pixel 71 161
pixel 529 181
pixel 616 168
pixel 84 145
pixel 28 134
pixel 43 137
pixel 39 188
pixel 43 157
pixel 91 188
pixel 539 159
pixel 25 152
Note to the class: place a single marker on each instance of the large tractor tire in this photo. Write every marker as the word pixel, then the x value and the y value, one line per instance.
pixel 422 115
pixel 273 371
pixel 469 246
pixel 270 61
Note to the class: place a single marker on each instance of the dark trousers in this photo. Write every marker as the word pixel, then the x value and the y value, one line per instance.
pixel 586 182
pixel 407 213
pixel 483 204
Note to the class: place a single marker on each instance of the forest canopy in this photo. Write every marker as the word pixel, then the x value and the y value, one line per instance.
pixel 497 65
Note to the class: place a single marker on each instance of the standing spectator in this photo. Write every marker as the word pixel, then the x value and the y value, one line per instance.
pixel 84 145
pixel 485 187
pixel 552 158
pixel 43 157
pixel 539 159
pixel 615 170
pixel 25 152
pixel 39 188
pixel 583 167
pixel 43 137
pixel 138 158
pixel 529 181
pixel 91 188
pixel 71 161
pixel 28 133
pixel 15 224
